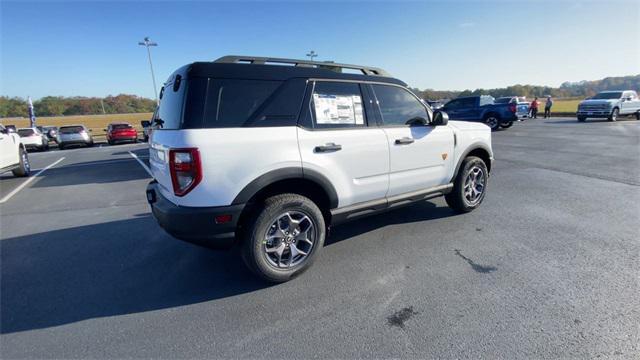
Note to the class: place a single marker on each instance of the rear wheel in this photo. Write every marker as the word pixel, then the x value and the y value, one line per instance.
pixel 24 168
pixel 614 114
pixel 492 121
pixel 469 187
pixel 61 146
pixel 283 237
pixel 638 115
pixel 581 118
pixel 506 125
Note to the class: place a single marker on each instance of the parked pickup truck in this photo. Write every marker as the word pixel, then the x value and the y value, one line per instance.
pixel 484 109
pixel 609 105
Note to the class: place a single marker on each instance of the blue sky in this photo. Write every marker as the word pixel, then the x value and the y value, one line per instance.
pixel 91 48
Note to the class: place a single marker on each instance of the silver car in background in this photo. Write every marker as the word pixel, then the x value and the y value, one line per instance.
pixel 74 135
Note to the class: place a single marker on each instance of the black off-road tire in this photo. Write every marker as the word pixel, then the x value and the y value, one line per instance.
pixel 492 121
pixel 614 114
pixel 581 118
pixel 456 198
pixel 638 115
pixel 260 221
pixel 506 125
pixel 24 169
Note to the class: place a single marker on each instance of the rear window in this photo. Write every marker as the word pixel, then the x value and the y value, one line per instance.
pixel 70 129
pixel 169 114
pixel 25 132
pixel 503 100
pixel 121 126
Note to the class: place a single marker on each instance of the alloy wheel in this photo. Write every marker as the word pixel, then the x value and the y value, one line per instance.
pixel 474 185
pixel 289 239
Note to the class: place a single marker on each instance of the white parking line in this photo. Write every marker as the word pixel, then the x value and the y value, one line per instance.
pixel 30 179
pixel 146 168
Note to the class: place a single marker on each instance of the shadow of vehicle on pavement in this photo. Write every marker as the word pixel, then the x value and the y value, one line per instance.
pixel 92 172
pixel 129 266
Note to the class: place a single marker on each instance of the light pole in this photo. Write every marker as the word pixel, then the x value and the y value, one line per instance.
pixel 147 42
pixel 312 54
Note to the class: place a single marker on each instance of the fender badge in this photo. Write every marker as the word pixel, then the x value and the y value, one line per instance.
pixel 444 156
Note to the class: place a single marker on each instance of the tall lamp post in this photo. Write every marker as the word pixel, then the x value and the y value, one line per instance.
pixel 312 54
pixel 147 42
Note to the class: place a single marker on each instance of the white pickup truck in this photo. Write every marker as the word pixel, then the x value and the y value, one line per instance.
pixel 13 155
pixel 610 105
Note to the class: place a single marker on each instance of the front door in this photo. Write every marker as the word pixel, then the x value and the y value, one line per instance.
pixel 420 154
pixel 336 141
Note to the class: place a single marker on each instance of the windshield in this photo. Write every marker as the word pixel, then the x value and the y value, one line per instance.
pixel 71 129
pixel 607 95
pixel 26 132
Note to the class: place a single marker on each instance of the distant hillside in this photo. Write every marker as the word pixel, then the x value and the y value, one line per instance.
pixel 579 89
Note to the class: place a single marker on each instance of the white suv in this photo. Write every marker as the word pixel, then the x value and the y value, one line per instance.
pixel 13 155
pixel 267 156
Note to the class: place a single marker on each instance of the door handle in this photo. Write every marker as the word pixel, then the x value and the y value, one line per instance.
pixel 329 147
pixel 404 141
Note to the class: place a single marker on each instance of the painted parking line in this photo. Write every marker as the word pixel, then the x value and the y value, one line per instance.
pixel 30 179
pixel 144 166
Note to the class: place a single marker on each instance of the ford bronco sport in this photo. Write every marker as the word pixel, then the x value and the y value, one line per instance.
pixel 266 153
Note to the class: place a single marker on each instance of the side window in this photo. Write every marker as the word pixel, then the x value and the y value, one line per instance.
pixel 453 104
pixel 337 105
pixel 398 106
pixel 467 103
pixel 231 102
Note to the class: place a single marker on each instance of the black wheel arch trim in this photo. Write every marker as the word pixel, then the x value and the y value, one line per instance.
pixel 472 147
pixel 287 173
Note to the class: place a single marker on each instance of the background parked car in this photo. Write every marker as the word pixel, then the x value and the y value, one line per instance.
pixel 121 132
pixel 11 128
pixel 74 135
pixel 521 102
pixel 609 104
pixel 50 131
pixel 13 155
pixel 435 104
pixel 482 108
pixel 32 138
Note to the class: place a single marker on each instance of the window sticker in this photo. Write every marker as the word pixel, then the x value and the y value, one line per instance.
pixel 338 109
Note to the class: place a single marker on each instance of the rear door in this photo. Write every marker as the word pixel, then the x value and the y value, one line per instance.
pixel 339 140
pixel 420 155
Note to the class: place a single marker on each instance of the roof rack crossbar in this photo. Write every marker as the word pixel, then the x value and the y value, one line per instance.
pixel 235 59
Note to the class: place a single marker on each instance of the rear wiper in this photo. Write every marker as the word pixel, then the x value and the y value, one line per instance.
pixel 158 121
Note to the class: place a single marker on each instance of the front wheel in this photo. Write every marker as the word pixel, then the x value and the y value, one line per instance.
pixel 614 114
pixel 24 168
pixel 283 237
pixel 492 121
pixel 506 125
pixel 470 185
pixel 581 118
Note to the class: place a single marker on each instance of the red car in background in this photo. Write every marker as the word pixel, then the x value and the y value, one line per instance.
pixel 121 132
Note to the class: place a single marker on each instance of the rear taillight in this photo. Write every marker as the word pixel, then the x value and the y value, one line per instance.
pixel 512 108
pixel 185 168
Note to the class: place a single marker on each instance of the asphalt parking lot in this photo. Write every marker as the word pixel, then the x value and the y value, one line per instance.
pixel 548 266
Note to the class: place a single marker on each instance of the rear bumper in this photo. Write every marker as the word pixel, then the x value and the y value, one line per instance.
pixel 123 137
pixel 194 224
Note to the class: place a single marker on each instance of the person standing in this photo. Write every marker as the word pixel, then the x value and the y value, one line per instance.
pixel 547 107
pixel 533 108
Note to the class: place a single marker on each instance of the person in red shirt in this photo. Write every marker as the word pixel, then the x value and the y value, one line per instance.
pixel 533 108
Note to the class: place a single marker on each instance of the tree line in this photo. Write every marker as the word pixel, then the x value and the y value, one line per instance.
pixel 581 89
pixel 123 103
pixel 60 105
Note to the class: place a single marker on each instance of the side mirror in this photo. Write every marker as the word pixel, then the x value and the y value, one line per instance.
pixel 145 123
pixel 440 118
pixel 105 130
pixel 417 121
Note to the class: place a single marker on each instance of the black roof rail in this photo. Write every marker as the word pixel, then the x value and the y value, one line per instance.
pixel 366 70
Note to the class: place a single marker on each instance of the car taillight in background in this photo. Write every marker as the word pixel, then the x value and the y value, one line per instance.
pixel 185 168
pixel 513 107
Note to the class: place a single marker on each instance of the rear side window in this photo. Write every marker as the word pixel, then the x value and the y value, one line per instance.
pixel 234 102
pixel 337 105
pixel 25 132
pixel 398 106
pixel 71 129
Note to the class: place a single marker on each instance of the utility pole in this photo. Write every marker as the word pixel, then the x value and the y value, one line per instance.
pixel 147 42
pixel 102 103
pixel 312 54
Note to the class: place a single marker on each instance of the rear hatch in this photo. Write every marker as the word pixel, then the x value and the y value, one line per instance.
pixel 522 109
